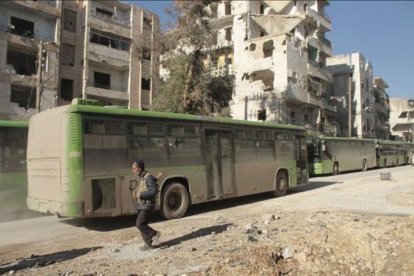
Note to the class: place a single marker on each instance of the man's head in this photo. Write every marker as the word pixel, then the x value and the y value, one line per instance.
pixel 138 166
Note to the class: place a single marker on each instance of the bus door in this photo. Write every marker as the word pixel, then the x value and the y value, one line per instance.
pixel 219 163
pixel 301 160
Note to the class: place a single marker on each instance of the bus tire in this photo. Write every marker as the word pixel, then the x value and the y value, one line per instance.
pixel 336 168
pixel 175 201
pixel 282 184
pixel 364 165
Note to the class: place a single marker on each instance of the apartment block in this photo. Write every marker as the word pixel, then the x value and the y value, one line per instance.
pixel 402 119
pixel 29 40
pixel 277 52
pixel 357 97
pixel 103 50
pixel 118 55
pixel 381 109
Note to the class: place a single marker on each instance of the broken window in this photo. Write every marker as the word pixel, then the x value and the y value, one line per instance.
pixel 69 23
pixel 292 116
pixel 102 80
pixel 312 54
pixel 146 53
pixel 261 115
pixel 66 89
pixel 262 8
pixel 104 13
pixel 21 27
pixel 24 96
pixel 268 48
pixel 24 63
pixel 214 60
pixel 227 8
pixel 68 54
pixel 228 34
pixel 145 84
pixel 147 24
pixel 109 40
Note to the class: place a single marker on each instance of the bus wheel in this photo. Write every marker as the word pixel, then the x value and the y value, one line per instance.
pixel 364 165
pixel 281 184
pixel 175 201
pixel 336 169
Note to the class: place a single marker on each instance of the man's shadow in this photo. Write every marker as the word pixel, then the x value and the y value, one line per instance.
pixel 45 260
pixel 196 234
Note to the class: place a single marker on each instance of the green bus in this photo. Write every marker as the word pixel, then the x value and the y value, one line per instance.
pixel 391 153
pixel 13 176
pixel 79 159
pixel 332 155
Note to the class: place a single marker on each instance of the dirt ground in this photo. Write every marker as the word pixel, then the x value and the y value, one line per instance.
pixel 253 239
pixel 279 243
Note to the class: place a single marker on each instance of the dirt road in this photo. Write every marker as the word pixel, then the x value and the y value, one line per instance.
pixel 347 224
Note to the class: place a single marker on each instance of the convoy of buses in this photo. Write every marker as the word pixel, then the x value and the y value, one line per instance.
pixel 13 177
pixel 79 158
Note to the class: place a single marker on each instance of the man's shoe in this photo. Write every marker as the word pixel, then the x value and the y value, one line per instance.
pixel 146 247
pixel 156 238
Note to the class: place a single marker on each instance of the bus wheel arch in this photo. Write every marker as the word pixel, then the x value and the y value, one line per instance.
pixel 335 169
pixel 281 182
pixel 175 198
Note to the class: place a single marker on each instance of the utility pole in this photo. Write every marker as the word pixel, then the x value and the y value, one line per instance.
pixel 350 105
pixel 39 76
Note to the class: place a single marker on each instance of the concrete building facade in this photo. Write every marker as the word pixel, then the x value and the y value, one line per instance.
pixel 276 51
pixel 105 50
pixel 29 35
pixel 361 103
pixel 402 119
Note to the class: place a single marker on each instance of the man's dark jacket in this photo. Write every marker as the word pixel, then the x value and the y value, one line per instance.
pixel 147 198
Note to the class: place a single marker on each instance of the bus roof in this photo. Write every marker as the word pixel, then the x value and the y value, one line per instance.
pixel 10 123
pixel 86 108
pixel 351 139
pixel 389 142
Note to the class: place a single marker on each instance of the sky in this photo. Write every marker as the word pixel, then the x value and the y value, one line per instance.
pixel 383 31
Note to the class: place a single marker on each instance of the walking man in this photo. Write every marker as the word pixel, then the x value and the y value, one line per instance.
pixel 144 195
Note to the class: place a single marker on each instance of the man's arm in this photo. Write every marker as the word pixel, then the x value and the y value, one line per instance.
pixel 152 189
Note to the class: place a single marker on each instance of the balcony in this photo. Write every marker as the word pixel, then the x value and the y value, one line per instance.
pixel 107 91
pixel 322 44
pixel 44 6
pixel 110 18
pixel 317 69
pixel 108 56
pixel 321 18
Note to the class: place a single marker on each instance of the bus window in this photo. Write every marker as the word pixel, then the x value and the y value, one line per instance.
pixel 183 145
pixel 265 147
pixel 245 151
pixel 114 127
pixel 137 129
pixel 94 127
pixel 147 141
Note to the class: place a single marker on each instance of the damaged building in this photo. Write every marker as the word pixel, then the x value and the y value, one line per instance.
pixel 30 39
pixel 361 100
pixel 277 52
pixel 103 50
pixel 402 119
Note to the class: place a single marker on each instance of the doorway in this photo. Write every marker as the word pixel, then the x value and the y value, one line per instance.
pixel 219 163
